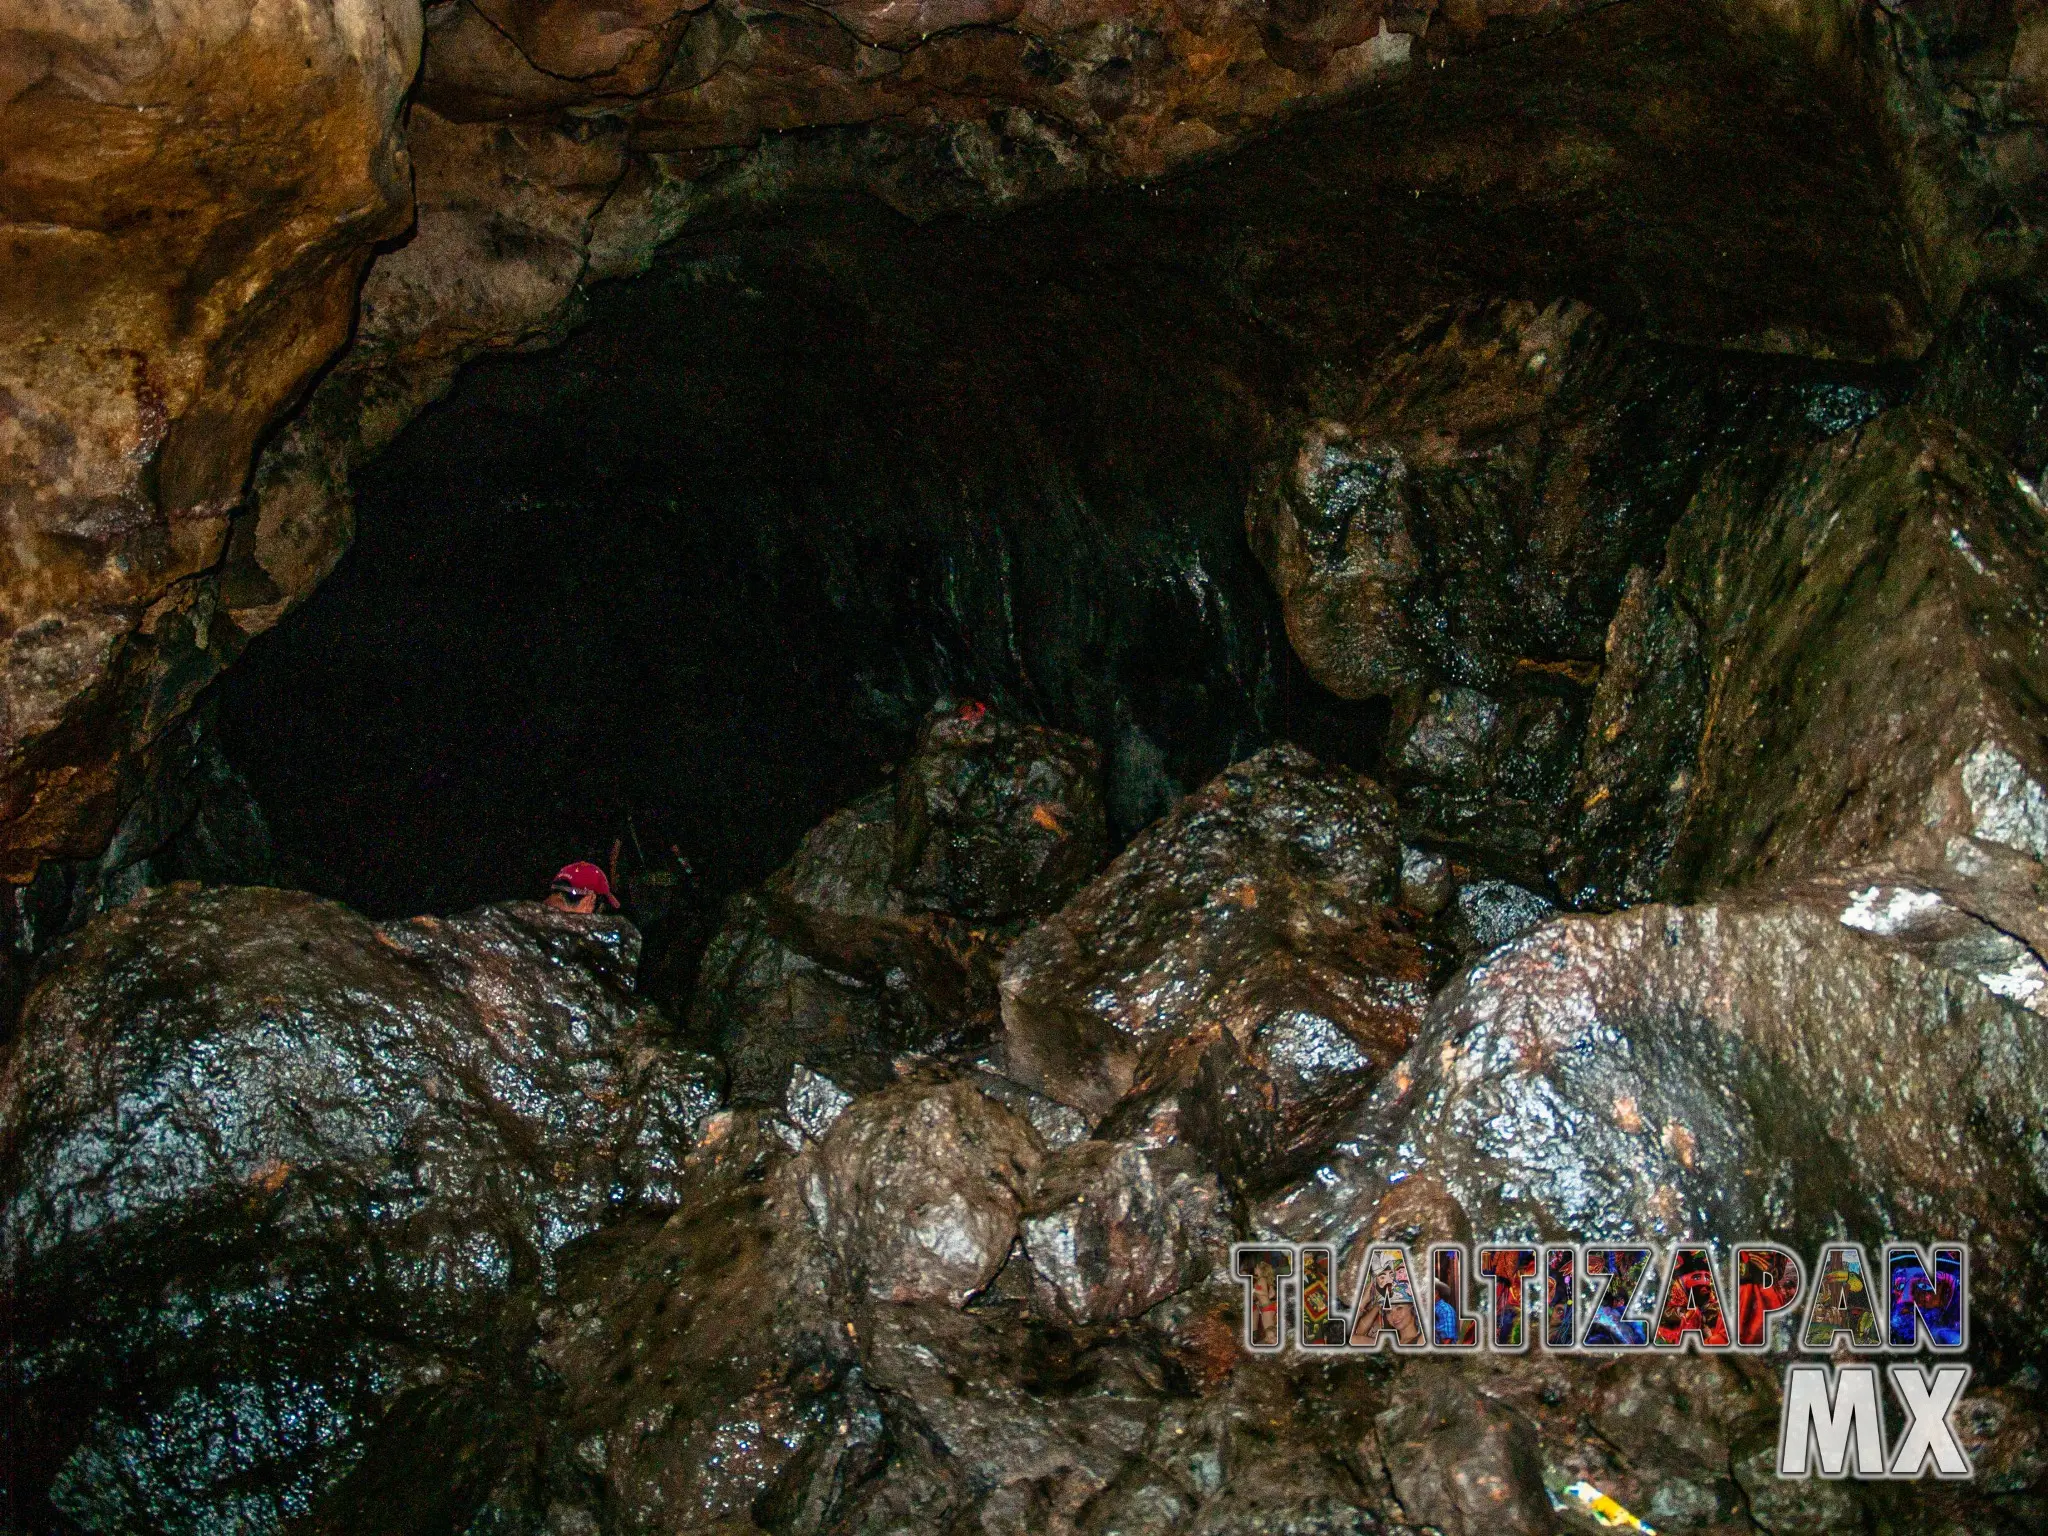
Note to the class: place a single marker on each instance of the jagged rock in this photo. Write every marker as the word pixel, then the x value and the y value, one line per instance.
pixel 1058 1125
pixel 1113 1228
pixel 917 1190
pixel 769 1010
pixel 1849 679
pixel 1757 1065
pixel 1453 527
pixel 259 1156
pixel 1463 1463
pixel 995 819
pixel 1427 883
pixel 814 1102
pixel 699 1368
pixel 1488 772
pixel 1261 1091
pixel 1656 1434
pixel 1404 530
pixel 1988 373
pixel 1251 921
pixel 1033 1432
pixel 825 967
pixel 1491 912
pixel 864 946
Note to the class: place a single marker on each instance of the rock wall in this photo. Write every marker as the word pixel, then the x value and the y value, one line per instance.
pixel 190 197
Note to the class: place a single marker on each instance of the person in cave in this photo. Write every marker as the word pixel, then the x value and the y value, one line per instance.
pixel 578 887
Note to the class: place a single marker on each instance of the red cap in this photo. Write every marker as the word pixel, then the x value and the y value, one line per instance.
pixel 584 876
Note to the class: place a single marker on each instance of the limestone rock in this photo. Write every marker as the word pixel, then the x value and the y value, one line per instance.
pixel 1250 919
pixel 191 195
pixel 258 1154
pixel 916 1191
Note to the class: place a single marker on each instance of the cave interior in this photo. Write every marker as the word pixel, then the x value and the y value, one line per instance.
pixel 1505 605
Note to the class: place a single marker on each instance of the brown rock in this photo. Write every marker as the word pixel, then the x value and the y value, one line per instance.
pixel 694 1378
pixel 1860 664
pixel 916 1191
pixel 1452 528
pixel 1113 1228
pixel 828 965
pixel 342 1142
pixel 1804 1066
pixel 1250 920
pixel 1462 1462
pixel 190 196
pixel 996 819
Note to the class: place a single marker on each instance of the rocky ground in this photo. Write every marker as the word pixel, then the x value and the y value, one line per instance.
pixel 917 1217
pixel 1671 858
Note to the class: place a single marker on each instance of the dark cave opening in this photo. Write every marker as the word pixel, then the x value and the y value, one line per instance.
pixel 689 580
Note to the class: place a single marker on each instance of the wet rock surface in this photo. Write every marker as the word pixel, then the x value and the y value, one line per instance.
pixel 1609 526
pixel 1251 921
pixel 1873 655
pixel 997 820
pixel 929 1300
pixel 916 1191
pixel 1112 1228
pixel 1756 1065
pixel 1452 524
pixel 263 1157
pixel 881 937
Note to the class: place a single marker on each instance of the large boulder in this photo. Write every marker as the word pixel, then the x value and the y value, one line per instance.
pixel 1113 1228
pixel 1851 676
pixel 916 1191
pixel 881 936
pixel 681 1371
pixel 260 1157
pixel 997 819
pixel 825 967
pixel 1835 1059
pixel 1242 951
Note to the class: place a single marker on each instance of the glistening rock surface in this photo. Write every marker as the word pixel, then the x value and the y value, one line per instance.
pixel 882 935
pixel 1851 677
pixel 1797 1066
pixel 916 1191
pixel 1250 922
pixel 261 1158
pixel 1450 528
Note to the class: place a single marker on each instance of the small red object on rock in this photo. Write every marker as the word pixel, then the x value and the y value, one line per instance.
pixel 973 711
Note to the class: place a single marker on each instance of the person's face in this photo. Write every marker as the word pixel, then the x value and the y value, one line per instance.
pixel 563 899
